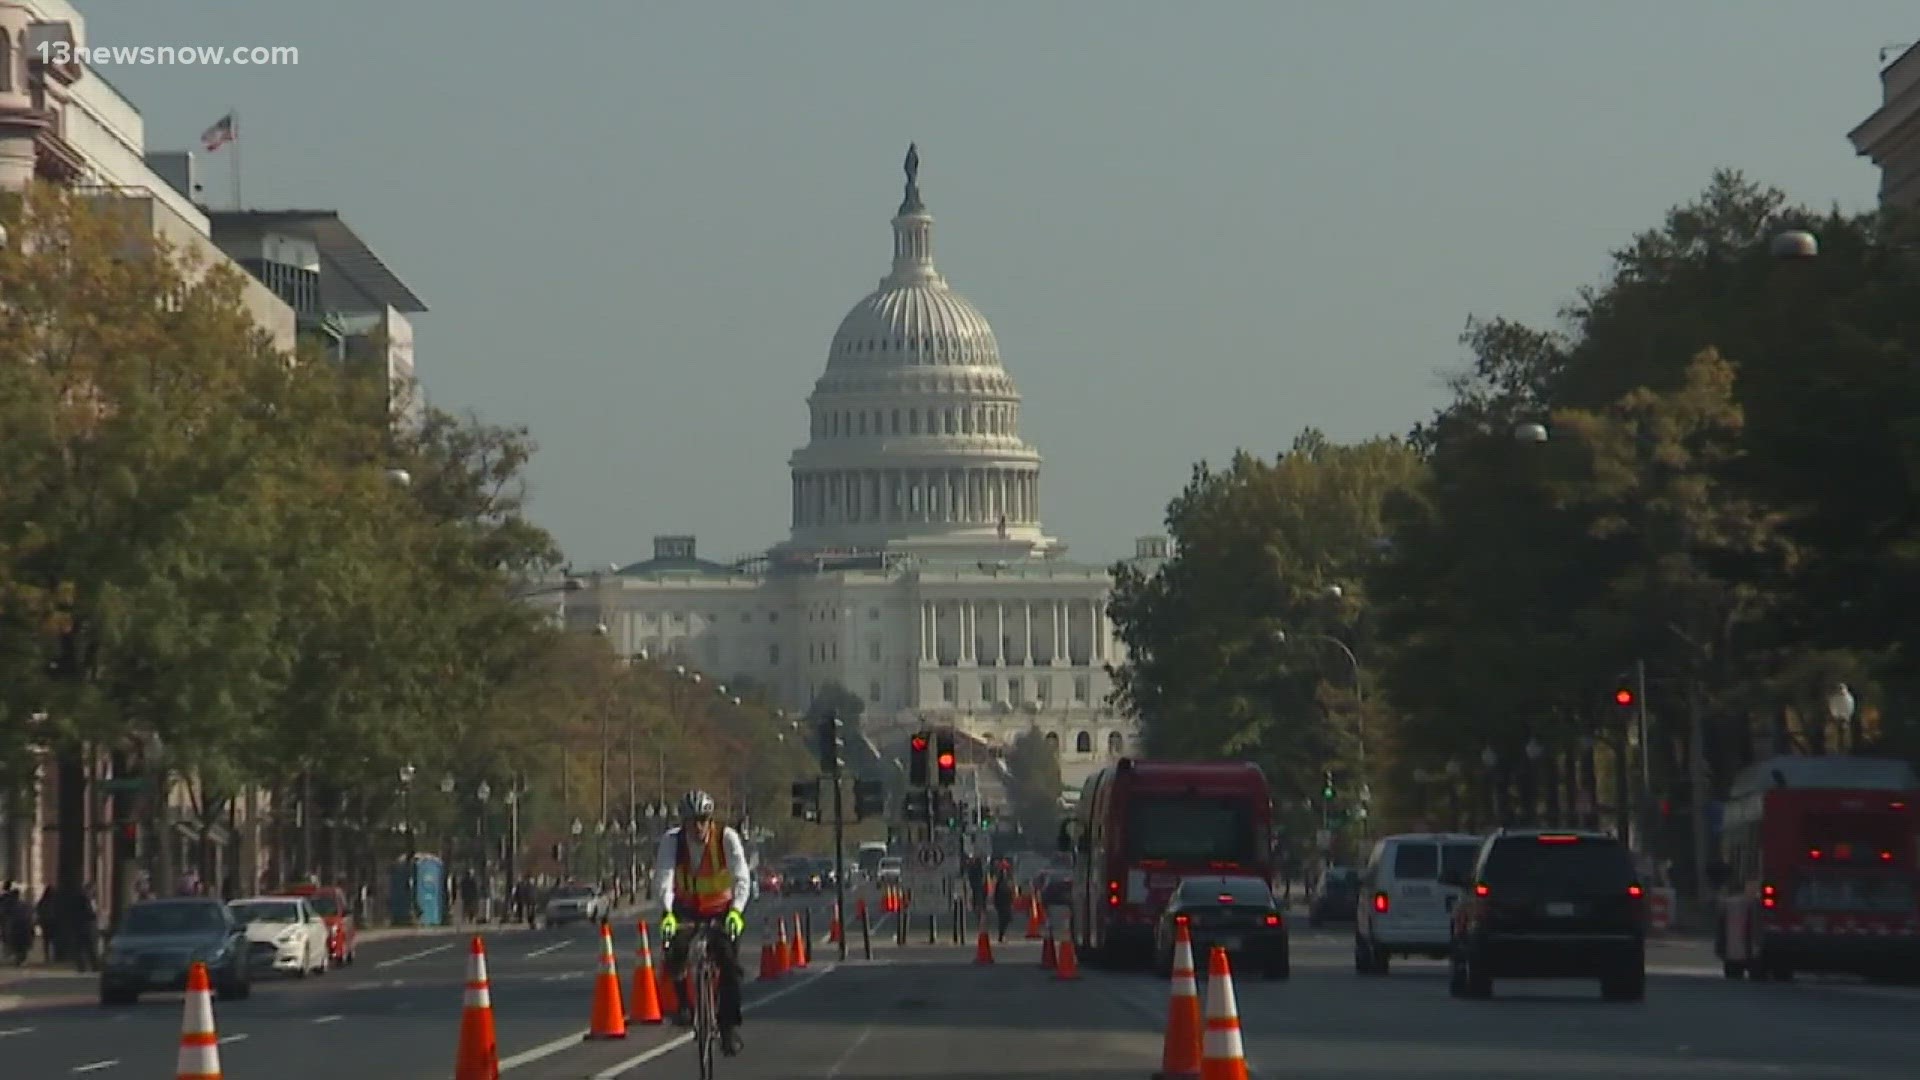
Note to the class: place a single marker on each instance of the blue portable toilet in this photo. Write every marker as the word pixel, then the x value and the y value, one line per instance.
pixel 429 881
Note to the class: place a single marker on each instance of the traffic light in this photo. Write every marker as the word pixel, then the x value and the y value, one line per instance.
pixel 832 745
pixel 1624 697
pixel 1326 787
pixel 806 800
pixel 130 836
pixel 916 805
pixel 986 818
pixel 946 760
pixel 869 797
pixel 917 759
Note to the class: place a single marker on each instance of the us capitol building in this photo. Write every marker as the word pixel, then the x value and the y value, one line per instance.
pixel 916 573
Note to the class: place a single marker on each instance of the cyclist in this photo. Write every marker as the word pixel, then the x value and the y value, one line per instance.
pixel 701 875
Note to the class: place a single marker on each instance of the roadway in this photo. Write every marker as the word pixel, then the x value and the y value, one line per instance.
pixel 924 1012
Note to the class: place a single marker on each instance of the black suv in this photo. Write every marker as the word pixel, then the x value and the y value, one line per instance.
pixel 1551 905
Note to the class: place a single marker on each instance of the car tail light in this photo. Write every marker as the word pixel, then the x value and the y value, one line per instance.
pixel 1480 889
pixel 1635 891
pixel 1183 920
pixel 1814 854
pixel 1272 919
pixel 1381 902
pixel 1886 856
pixel 1769 896
pixel 1225 898
pixel 1558 838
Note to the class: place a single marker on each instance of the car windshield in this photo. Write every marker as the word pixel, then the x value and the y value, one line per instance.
pixel 324 904
pixel 889 864
pixel 1416 860
pixel 1235 890
pixel 174 918
pixel 1574 863
pixel 572 892
pixel 266 911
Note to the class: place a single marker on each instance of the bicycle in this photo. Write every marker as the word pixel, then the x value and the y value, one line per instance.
pixel 703 976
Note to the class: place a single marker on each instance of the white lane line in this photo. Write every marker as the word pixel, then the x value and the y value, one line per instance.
pixel 569 1042
pixel 328 1019
pixel 415 956
pixel 557 946
pixel 565 976
pixel 677 1042
pixel 858 1042
pixel 225 1039
pixel 5 1032
pixel 95 1066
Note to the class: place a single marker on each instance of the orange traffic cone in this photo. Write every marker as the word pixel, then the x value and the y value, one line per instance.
pixel 983 948
pixel 1222 1057
pixel 478 1057
pixel 669 993
pixel 833 928
pixel 199 1043
pixel 1033 918
pixel 782 951
pixel 609 1019
pixel 1069 968
pixel 1049 960
pixel 802 952
pixel 645 1007
pixel 1180 1053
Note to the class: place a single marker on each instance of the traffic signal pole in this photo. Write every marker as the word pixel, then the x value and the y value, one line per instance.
pixel 839 861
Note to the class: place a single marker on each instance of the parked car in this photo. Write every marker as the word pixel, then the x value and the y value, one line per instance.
pixel 1334 901
pixel 573 903
pixel 158 940
pixel 330 903
pixel 888 872
pixel 284 935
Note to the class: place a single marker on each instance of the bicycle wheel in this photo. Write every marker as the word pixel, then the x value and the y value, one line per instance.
pixel 706 1025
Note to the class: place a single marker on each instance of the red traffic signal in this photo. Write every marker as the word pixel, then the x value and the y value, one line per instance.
pixel 1623 697
pixel 919 744
pixel 946 761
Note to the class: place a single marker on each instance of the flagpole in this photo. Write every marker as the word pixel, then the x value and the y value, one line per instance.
pixel 234 115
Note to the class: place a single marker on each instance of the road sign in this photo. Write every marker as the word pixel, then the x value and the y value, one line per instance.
pixel 930 855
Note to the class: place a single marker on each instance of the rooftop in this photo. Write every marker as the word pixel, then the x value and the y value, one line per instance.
pixel 339 245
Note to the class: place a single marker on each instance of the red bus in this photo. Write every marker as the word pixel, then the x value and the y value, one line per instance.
pixel 1141 826
pixel 1820 858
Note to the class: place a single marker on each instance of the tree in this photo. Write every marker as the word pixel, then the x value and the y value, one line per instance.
pixel 1222 655
pixel 1034 786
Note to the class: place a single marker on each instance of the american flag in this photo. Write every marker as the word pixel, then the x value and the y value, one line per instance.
pixel 224 131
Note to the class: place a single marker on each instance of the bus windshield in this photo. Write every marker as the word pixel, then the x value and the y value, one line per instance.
pixel 1191 828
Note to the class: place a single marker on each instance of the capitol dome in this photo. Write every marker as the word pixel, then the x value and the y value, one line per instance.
pixel 914 436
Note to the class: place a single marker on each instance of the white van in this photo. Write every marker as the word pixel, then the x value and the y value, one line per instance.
pixel 1407 894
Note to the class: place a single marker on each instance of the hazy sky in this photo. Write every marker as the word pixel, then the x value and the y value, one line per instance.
pixel 1194 226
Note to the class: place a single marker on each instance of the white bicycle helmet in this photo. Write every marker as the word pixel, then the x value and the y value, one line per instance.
pixel 696 804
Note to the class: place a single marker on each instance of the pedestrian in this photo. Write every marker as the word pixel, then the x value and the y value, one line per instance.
pixel 46 913
pixel 1003 902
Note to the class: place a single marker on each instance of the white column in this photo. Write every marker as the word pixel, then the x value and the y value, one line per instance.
pixel 999 634
pixel 1058 611
pixel 926 631
pixel 1026 639
pixel 1096 630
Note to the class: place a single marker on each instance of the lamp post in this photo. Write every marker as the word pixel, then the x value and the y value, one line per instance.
pixel 406 822
pixel 573 847
pixel 1840 706
pixel 1359 702
pixel 1490 758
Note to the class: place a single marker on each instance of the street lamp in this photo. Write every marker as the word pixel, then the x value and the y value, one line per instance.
pixel 1840 706
pixel 1794 244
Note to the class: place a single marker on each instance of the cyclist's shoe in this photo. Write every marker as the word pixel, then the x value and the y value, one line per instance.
pixel 730 1041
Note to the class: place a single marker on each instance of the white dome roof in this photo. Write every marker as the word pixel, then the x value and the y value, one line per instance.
pixel 914 324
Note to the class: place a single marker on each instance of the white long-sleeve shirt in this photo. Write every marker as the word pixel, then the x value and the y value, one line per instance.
pixel 669 852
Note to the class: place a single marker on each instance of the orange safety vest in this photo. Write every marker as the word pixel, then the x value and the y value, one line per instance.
pixel 704 891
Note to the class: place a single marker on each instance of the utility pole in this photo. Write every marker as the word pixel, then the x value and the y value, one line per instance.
pixel 1648 804
pixel 831 762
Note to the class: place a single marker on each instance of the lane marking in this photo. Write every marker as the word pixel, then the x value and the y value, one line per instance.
pixel 572 1041
pixel 95 1066
pixel 225 1039
pixel 328 1019
pixel 565 976
pixel 415 956
pixel 859 1041
pixel 5 1032
pixel 555 947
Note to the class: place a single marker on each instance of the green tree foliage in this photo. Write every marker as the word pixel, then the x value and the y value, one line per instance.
pixel 1227 649
pixel 1034 786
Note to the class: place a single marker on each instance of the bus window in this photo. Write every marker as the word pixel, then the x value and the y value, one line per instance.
pixel 1190 828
